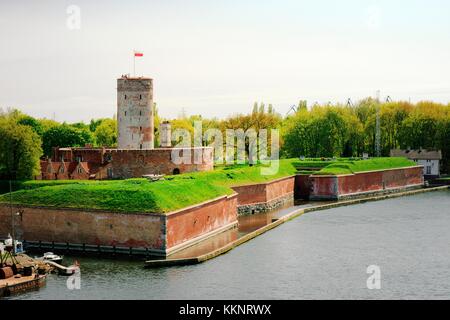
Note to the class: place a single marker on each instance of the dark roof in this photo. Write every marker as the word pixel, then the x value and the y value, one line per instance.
pixel 418 154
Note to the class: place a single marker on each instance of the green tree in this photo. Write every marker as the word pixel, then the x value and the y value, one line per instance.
pixel 47 124
pixel 94 124
pixel 33 123
pixel 65 136
pixel 106 133
pixel 20 150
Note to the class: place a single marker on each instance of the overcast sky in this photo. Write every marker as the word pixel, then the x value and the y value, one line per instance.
pixel 216 58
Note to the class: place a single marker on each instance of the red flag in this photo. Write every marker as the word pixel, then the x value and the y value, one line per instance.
pixel 138 54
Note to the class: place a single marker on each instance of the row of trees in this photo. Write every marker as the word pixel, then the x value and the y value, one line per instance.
pixel 338 130
pixel 24 140
pixel 319 131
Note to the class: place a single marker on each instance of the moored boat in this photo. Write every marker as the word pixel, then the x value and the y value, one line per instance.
pixel 50 256
pixel 19 283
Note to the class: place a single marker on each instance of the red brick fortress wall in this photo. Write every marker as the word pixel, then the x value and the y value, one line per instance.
pixel 344 186
pixel 190 225
pixel 136 163
pixel 87 227
pixel 263 197
pixel 155 233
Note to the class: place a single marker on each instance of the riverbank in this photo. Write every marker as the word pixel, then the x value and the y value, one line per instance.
pixel 279 221
pixel 316 256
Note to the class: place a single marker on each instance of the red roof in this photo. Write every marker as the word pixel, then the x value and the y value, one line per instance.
pixel 85 166
pixel 91 168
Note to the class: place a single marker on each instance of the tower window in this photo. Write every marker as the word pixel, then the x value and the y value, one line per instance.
pixel 125 113
pixel 140 97
pixel 140 129
pixel 125 97
pixel 140 146
pixel 140 113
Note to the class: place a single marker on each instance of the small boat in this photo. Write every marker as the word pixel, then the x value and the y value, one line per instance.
pixel 50 256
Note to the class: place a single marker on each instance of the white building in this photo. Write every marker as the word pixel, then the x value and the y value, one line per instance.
pixel 430 160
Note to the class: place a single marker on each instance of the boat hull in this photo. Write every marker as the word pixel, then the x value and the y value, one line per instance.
pixel 13 286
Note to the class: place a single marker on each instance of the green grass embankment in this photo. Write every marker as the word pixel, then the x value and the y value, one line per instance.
pixel 140 195
pixel 349 167
pixel 175 192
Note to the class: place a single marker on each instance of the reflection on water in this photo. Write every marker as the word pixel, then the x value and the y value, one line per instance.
pixel 247 224
pixel 320 255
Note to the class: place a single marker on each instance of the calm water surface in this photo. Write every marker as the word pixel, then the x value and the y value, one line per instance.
pixel 321 255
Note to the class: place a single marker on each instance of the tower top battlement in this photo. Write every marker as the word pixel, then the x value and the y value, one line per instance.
pixel 128 77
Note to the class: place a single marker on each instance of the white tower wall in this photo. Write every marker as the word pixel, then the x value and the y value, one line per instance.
pixel 135 113
pixel 165 135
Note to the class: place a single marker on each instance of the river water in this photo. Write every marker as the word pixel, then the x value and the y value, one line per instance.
pixel 320 255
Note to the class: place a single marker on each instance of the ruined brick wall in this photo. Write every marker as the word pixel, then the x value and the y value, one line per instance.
pixel 135 163
pixel 197 221
pixel 135 113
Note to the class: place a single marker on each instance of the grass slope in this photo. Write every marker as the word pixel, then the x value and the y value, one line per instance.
pixel 349 167
pixel 140 195
pixel 175 192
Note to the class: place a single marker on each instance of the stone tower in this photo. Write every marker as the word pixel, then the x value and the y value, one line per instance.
pixel 165 136
pixel 135 113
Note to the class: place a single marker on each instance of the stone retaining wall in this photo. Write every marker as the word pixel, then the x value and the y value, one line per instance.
pixel 264 197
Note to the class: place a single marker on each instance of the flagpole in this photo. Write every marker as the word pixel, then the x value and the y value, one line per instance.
pixel 134 64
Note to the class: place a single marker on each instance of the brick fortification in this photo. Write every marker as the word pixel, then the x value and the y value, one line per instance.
pixel 136 155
